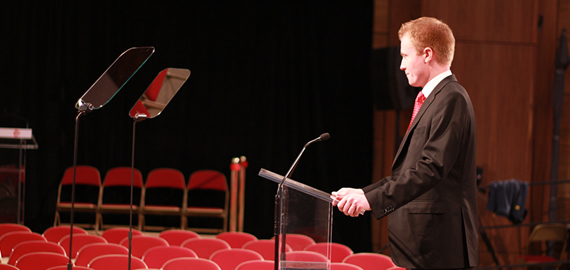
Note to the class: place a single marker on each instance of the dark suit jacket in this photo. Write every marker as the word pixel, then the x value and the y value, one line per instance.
pixel 431 194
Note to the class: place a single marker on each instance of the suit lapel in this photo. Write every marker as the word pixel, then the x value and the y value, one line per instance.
pixel 424 107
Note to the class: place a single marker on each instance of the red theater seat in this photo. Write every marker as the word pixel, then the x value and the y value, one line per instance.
pixel 266 248
pixel 79 241
pixel 91 251
pixel 236 239
pixel 176 237
pixel 205 247
pixel 9 240
pixel 155 257
pixel 116 261
pixel 337 251
pixel 41 260
pixel 116 235
pixel 34 246
pixel 142 243
pixel 12 227
pixel 54 234
pixel 229 259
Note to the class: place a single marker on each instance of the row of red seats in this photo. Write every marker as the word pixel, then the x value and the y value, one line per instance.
pixel 227 250
pixel 232 259
pixel 98 203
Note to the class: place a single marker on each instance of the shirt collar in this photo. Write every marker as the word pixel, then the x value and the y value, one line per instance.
pixel 434 82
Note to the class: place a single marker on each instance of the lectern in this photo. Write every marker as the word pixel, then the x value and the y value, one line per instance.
pixel 301 209
pixel 12 176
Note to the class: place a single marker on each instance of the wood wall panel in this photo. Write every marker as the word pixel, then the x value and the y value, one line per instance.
pixel 502 102
pixel 401 11
pixel 379 41
pixel 564 169
pixel 380 23
pixel 564 20
pixel 539 194
pixel 487 20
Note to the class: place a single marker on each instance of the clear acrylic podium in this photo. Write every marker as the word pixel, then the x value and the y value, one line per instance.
pixel 301 209
pixel 14 142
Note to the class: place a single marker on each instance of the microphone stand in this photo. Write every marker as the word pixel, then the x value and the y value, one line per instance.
pixel 137 118
pixel 83 109
pixel 280 218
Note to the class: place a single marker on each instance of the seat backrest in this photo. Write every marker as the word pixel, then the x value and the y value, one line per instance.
pixel 8 267
pixel 79 241
pixel 305 256
pixel 155 257
pixel 345 266
pixel 164 186
pixel 9 240
pixel 89 252
pixel 41 260
pixel 256 265
pixel 236 239
pixel 34 246
pixel 116 235
pixel 13 227
pixel 370 261
pixel 229 259
pixel 116 261
pixel 117 181
pixel 142 243
pixel 87 178
pixel 121 176
pixel 337 251
pixel 205 247
pixel 208 179
pixel 298 241
pixel 55 233
pixel 556 233
pixel 176 237
pixel 190 263
pixel 165 178
pixel 265 248
pixel 208 188
pixel 85 175
pixel 549 232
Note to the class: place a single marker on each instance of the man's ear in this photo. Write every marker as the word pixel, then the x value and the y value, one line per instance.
pixel 428 55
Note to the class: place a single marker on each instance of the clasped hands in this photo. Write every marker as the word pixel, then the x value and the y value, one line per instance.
pixel 350 201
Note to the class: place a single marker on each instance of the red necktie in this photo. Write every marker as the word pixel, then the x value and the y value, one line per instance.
pixel 419 101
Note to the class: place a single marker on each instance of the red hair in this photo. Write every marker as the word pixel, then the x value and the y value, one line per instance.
pixel 433 33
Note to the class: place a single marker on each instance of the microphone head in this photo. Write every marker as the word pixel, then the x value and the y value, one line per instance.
pixel 324 137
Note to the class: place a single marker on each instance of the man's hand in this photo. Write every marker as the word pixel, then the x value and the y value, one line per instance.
pixel 350 201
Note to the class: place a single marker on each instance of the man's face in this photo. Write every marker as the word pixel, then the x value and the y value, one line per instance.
pixel 413 65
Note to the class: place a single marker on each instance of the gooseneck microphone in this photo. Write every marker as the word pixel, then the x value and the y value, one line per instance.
pixel 323 137
pixel 280 213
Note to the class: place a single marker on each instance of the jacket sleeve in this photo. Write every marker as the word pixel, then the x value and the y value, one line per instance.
pixel 431 151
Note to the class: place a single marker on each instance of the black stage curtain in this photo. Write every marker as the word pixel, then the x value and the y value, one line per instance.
pixel 267 76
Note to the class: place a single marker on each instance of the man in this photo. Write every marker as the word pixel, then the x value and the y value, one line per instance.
pixel 431 194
